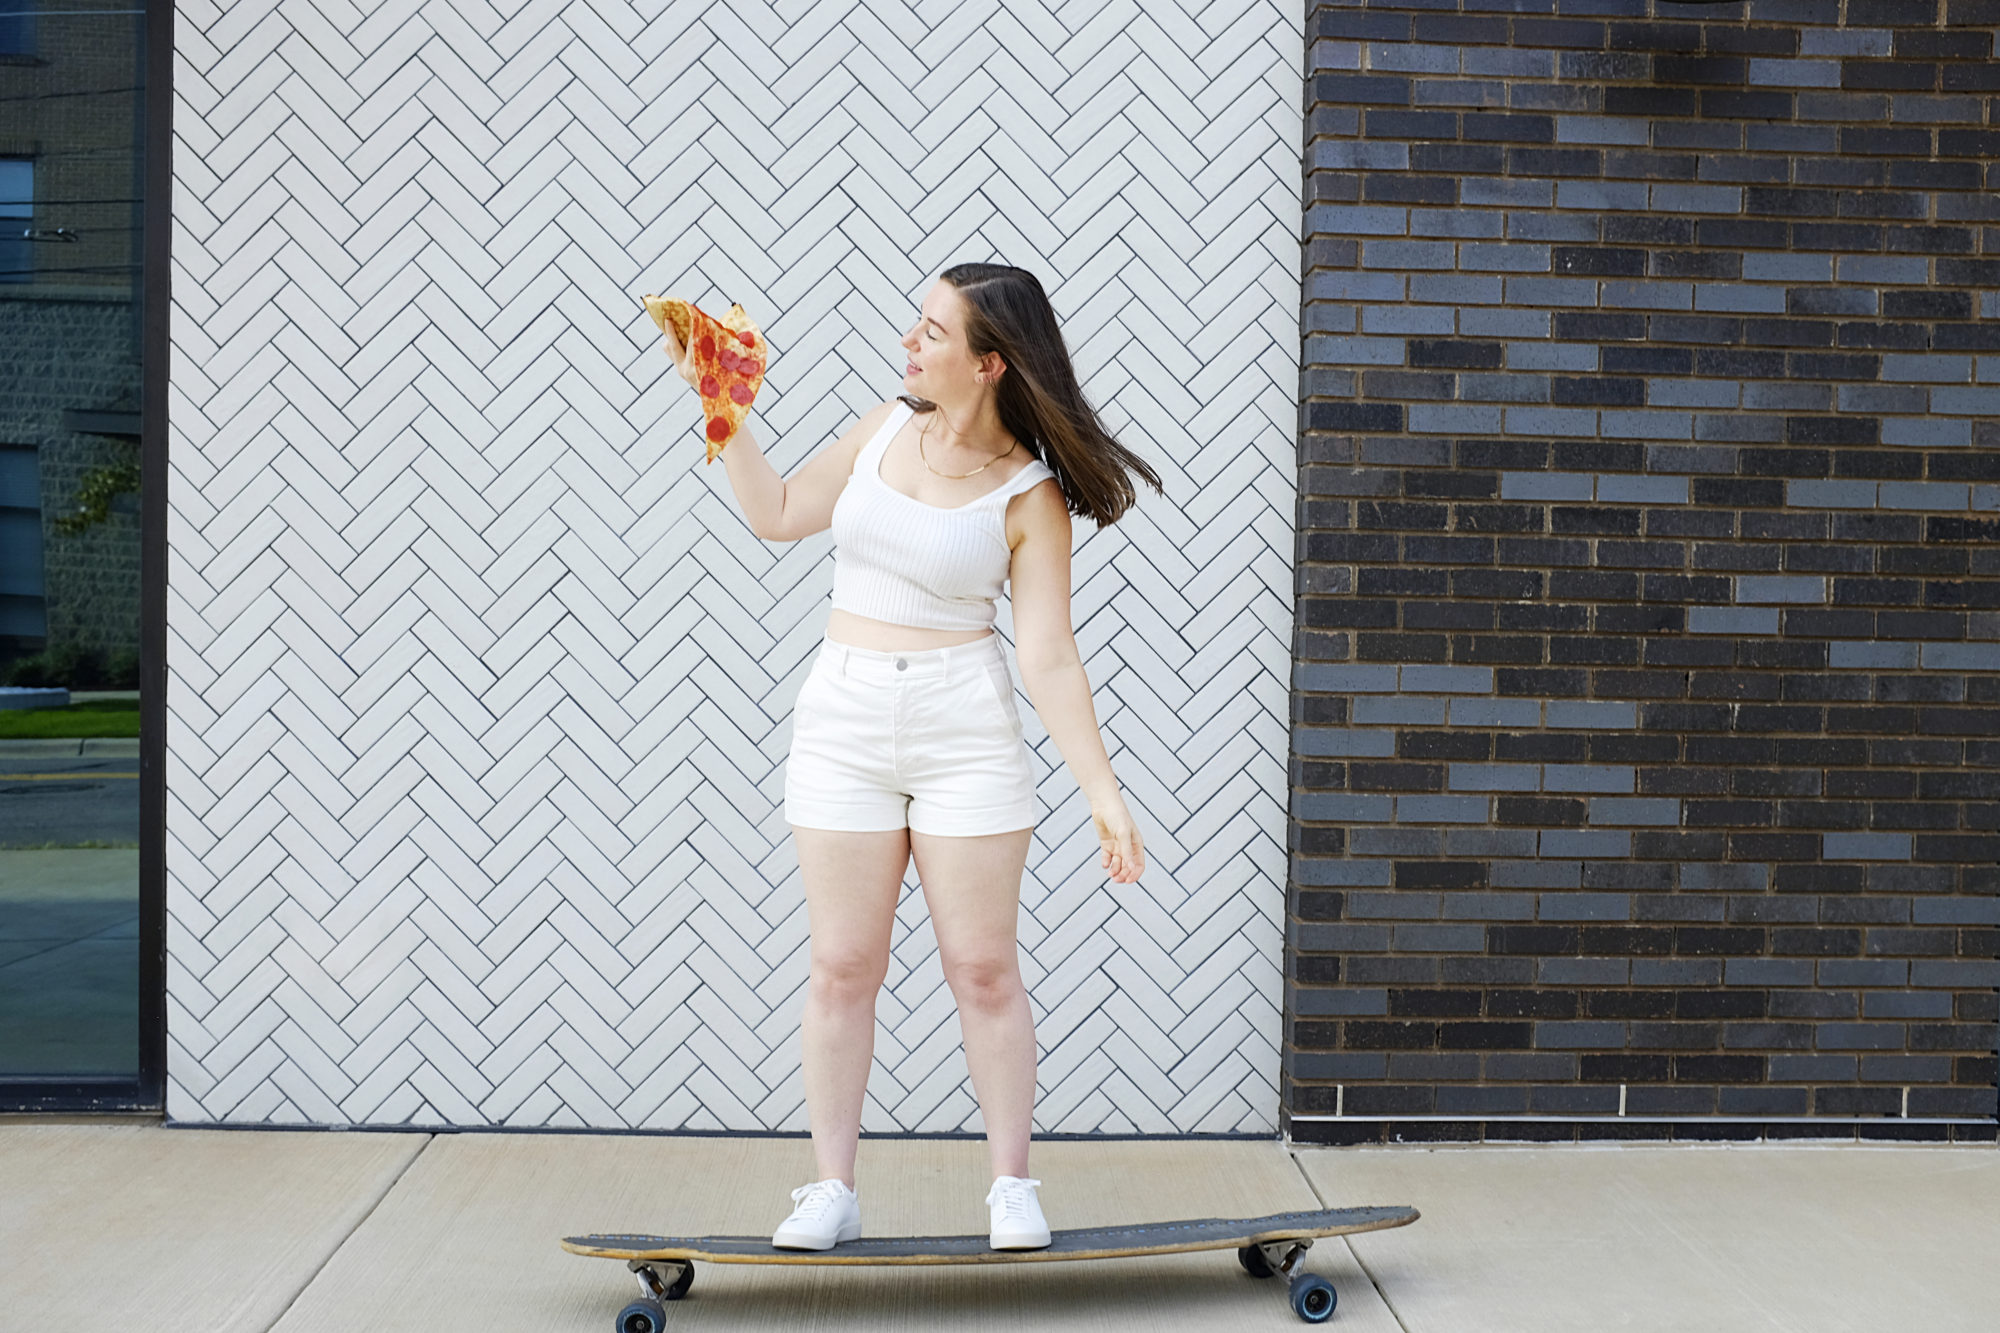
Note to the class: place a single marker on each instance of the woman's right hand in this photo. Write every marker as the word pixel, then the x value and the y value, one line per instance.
pixel 682 361
pixel 1123 856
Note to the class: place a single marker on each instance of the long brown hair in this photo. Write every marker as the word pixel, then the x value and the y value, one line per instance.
pixel 1038 398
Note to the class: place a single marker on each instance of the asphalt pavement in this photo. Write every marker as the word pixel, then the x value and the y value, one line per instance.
pixel 64 792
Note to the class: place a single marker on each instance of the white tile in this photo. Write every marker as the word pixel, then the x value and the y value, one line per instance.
pixel 482 690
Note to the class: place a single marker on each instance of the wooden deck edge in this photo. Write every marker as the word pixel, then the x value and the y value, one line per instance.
pixel 584 1245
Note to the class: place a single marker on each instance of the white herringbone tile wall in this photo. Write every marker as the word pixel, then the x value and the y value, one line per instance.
pixel 479 688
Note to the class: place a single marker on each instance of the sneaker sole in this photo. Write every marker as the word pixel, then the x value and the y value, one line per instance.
pixel 814 1242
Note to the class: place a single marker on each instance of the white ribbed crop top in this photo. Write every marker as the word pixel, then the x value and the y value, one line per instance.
pixel 903 561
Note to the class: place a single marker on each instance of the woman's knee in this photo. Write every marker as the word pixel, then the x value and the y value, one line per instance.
pixel 987 982
pixel 844 977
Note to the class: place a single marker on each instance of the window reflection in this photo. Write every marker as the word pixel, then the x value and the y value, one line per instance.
pixel 71 135
pixel 17 210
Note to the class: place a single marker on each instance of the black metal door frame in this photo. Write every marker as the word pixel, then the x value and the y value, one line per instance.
pixel 147 1092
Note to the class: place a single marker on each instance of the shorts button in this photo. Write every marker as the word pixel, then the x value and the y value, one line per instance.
pixel 901 665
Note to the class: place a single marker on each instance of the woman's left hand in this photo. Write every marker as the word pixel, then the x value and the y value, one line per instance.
pixel 1124 856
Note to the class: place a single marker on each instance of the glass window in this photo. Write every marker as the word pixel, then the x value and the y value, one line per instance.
pixel 72 137
pixel 17 213
pixel 17 28
pixel 20 545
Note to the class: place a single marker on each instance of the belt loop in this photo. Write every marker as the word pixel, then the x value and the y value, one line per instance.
pixel 840 657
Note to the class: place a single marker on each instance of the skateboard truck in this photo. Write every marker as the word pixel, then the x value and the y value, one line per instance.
pixel 648 1313
pixel 1312 1297
pixel 1279 1255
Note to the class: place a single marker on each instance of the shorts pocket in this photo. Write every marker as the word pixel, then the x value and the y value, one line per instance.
pixel 998 687
pixel 809 699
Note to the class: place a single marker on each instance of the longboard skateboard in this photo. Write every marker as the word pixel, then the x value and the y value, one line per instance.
pixel 1265 1246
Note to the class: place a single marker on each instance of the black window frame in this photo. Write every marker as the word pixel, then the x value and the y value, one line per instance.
pixel 147 1092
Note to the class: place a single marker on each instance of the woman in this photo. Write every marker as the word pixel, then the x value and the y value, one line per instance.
pixel 905 738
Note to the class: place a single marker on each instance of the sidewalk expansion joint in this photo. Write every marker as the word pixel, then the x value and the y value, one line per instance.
pixel 1348 1241
pixel 359 1223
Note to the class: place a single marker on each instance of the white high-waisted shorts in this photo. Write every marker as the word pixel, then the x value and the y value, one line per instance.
pixel 928 740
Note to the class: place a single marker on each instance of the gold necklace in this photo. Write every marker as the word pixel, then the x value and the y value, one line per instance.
pixel 957 476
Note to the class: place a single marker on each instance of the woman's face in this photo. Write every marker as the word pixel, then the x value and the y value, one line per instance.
pixel 941 366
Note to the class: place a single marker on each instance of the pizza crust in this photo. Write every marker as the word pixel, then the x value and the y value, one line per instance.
pixel 666 310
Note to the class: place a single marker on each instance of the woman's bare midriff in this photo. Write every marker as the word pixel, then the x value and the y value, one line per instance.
pixel 884 637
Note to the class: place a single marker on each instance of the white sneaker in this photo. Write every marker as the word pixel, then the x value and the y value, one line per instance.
pixel 1017 1215
pixel 828 1212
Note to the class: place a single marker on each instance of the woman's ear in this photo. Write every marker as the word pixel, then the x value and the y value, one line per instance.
pixel 990 367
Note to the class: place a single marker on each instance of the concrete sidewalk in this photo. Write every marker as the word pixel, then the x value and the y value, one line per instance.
pixel 216 1231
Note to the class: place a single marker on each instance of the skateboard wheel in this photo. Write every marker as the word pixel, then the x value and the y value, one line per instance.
pixel 1313 1298
pixel 645 1316
pixel 1253 1261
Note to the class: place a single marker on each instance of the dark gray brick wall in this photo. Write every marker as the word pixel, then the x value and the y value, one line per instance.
pixel 1647 699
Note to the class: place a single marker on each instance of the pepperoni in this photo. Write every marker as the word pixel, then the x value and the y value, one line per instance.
pixel 751 367
pixel 742 393
pixel 729 360
pixel 710 386
pixel 747 338
pixel 718 429
pixel 707 346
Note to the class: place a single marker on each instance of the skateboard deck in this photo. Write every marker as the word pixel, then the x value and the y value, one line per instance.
pixel 1266 1247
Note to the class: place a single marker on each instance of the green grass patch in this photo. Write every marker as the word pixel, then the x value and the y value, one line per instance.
pixel 101 717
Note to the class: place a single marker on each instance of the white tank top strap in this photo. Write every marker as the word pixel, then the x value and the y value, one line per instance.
pixel 1035 471
pixel 871 453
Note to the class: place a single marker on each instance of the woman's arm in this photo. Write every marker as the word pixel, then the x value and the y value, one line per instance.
pixel 776 508
pixel 781 509
pixel 760 491
pixel 1053 675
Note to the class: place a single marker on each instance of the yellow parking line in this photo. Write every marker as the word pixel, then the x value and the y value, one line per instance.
pixel 61 777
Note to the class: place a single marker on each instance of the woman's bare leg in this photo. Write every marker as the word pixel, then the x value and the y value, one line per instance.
pixel 973 888
pixel 851 882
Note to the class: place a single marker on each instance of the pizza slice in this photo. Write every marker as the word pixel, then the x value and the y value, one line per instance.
pixel 729 355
